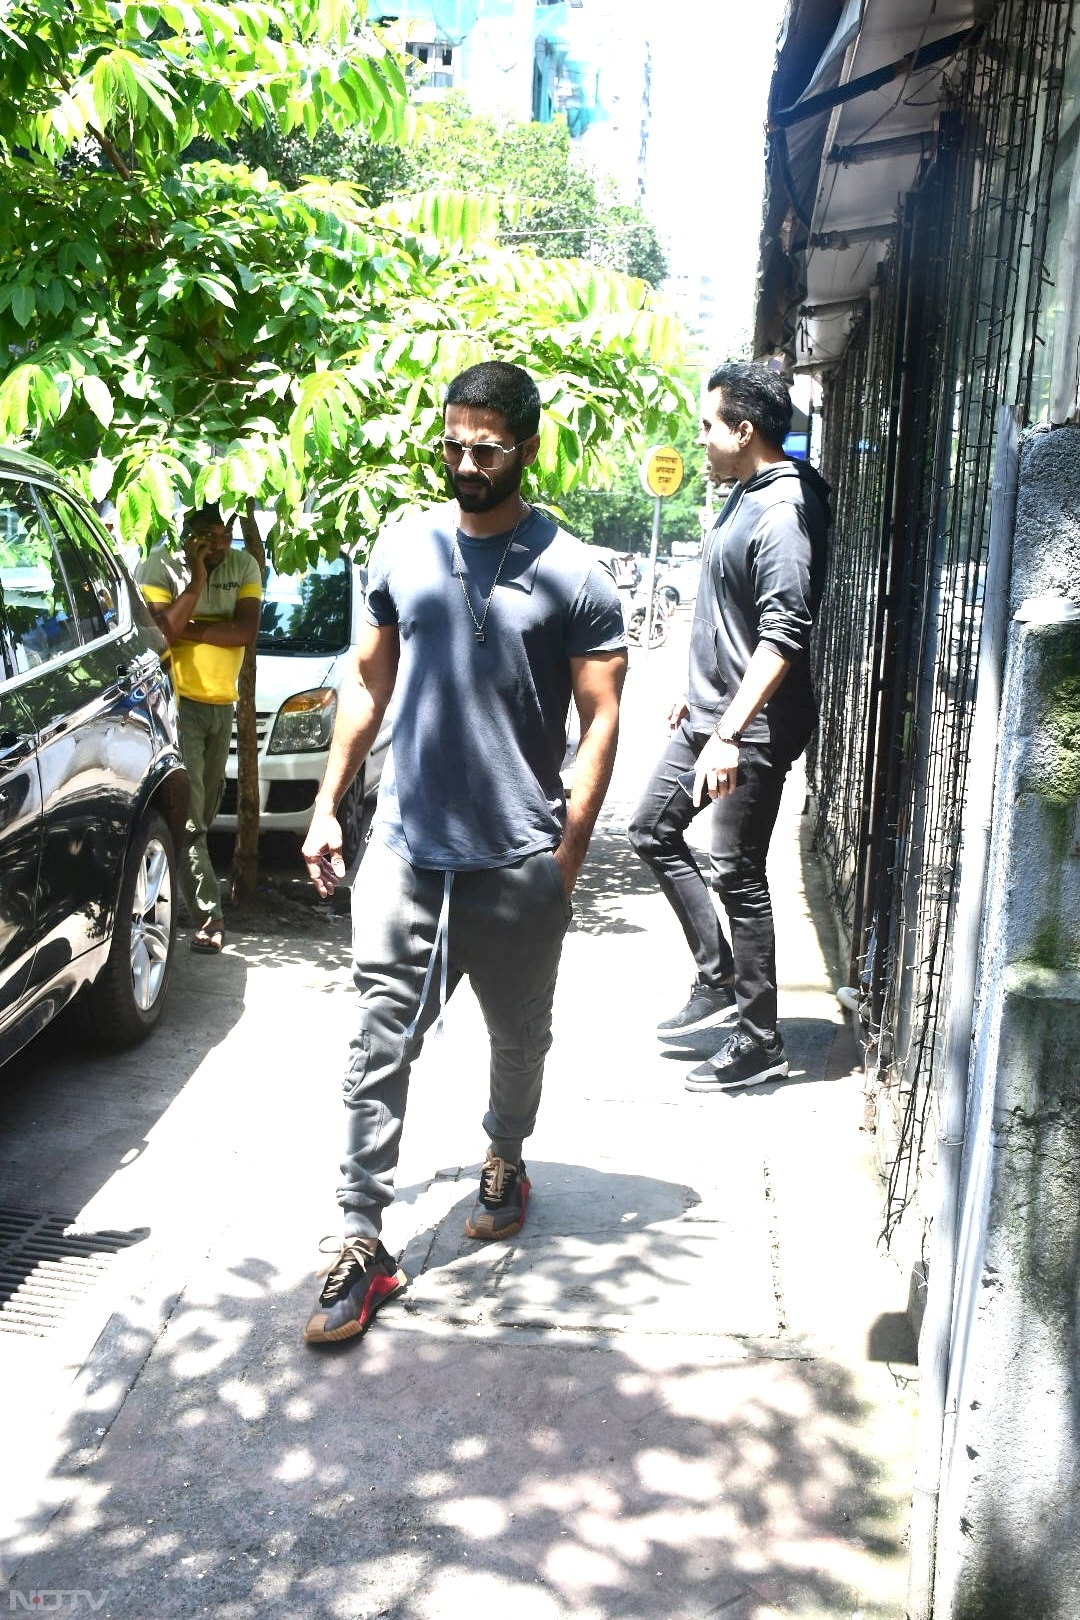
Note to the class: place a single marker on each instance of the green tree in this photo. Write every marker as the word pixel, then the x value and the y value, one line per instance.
pixel 550 201
pixel 177 332
pixel 620 515
pixel 181 331
pixel 378 169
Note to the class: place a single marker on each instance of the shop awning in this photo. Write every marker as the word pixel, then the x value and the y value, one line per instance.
pixel 853 115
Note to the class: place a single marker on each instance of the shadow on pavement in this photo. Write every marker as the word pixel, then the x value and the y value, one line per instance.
pixel 418 1475
pixel 286 923
pixel 892 1341
pixel 611 876
pixel 600 1249
pixel 808 1043
pixel 71 1115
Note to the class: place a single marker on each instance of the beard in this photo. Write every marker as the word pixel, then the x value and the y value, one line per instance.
pixel 481 492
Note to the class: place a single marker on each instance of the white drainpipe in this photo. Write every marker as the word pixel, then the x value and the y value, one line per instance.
pixel 1065 376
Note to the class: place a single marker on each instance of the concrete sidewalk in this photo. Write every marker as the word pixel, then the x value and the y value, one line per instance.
pixel 670 1398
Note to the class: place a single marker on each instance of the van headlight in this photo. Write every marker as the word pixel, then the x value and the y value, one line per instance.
pixel 304 723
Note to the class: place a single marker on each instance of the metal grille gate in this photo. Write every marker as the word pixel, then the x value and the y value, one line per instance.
pixel 909 438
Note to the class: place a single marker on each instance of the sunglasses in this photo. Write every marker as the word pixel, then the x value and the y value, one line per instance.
pixel 485 456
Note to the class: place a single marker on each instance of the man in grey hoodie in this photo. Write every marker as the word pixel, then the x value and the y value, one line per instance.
pixel 748 712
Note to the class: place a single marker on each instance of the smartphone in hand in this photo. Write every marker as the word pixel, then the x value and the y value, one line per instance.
pixel 685 780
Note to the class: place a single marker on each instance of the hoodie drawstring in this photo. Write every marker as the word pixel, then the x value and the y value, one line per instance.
pixel 442 933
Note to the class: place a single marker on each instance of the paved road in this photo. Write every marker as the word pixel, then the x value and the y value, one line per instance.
pixel 686 1390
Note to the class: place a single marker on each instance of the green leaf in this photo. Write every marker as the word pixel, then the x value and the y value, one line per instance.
pixel 15 404
pixel 320 427
pixel 135 512
pixel 208 484
pixel 22 303
pixel 44 394
pixel 158 479
pixel 218 289
pixel 98 397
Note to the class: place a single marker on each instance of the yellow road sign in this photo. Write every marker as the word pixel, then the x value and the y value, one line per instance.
pixel 662 471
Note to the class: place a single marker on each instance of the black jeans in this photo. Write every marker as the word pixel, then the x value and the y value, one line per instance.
pixel 742 827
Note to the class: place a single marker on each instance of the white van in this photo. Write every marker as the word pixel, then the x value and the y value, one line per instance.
pixel 305 651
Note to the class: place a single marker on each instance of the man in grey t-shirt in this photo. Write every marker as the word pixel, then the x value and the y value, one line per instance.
pixel 484 619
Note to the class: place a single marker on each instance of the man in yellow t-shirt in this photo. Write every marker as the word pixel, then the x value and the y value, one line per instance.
pixel 206 601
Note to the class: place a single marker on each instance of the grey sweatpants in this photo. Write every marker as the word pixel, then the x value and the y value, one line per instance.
pixel 505 931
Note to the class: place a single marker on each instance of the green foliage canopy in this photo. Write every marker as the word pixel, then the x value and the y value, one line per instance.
pixel 620 515
pixel 549 201
pixel 177 331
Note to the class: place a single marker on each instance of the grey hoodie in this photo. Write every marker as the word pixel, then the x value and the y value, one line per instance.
pixel 762 575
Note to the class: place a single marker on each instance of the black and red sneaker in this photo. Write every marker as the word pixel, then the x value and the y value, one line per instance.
pixel 500 1208
pixel 358 1283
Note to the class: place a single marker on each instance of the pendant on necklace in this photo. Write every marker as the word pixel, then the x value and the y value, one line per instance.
pixel 479 634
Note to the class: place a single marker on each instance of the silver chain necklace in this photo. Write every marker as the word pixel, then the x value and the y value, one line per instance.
pixel 478 632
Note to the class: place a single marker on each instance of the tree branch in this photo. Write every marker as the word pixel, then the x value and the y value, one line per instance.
pixel 106 143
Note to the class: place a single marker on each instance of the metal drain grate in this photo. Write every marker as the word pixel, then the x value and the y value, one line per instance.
pixel 47 1267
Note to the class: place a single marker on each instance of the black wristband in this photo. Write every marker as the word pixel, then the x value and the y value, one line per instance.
pixel 731 736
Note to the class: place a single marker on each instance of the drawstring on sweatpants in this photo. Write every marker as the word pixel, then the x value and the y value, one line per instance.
pixel 441 936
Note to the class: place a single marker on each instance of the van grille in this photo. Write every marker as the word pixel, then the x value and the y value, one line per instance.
pixel 263 721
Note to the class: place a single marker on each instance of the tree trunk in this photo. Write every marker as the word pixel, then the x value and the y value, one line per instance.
pixel 245 869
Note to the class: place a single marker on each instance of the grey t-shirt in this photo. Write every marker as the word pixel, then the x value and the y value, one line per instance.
pixel 479 727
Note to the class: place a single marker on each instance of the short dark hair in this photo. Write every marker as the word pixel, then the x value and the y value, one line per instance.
pixel 754 394
pixel 207 516
pixel 495 385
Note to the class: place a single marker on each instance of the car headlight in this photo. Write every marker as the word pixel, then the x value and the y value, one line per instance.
pixel 304 723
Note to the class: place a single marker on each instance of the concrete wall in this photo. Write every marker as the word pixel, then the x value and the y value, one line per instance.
pixel 1046 553
pixel 1009 1515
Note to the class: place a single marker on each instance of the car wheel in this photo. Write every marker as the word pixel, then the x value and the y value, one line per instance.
pixel 125 1000
pixel 354 818
pixel 671 596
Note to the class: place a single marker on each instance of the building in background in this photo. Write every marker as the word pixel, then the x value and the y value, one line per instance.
pixel 639 87
pixel 490 50
pixel 586 60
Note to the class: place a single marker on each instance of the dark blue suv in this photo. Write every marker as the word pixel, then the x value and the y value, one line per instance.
pixel 93 792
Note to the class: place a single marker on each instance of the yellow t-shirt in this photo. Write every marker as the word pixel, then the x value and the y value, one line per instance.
pixel 200 671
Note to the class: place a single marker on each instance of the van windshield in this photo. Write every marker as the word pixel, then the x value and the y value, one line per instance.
pixel 309 612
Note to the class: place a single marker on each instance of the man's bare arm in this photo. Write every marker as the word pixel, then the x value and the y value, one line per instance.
pixel 362 704
pixel 173 618
pixel 239 631
pixel 597 684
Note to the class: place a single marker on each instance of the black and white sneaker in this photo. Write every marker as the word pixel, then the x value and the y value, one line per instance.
pixel 358 1282
pixel 705 1009
pixel 741 1061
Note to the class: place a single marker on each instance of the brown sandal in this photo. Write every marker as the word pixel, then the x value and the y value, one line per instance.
pixel 210 937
